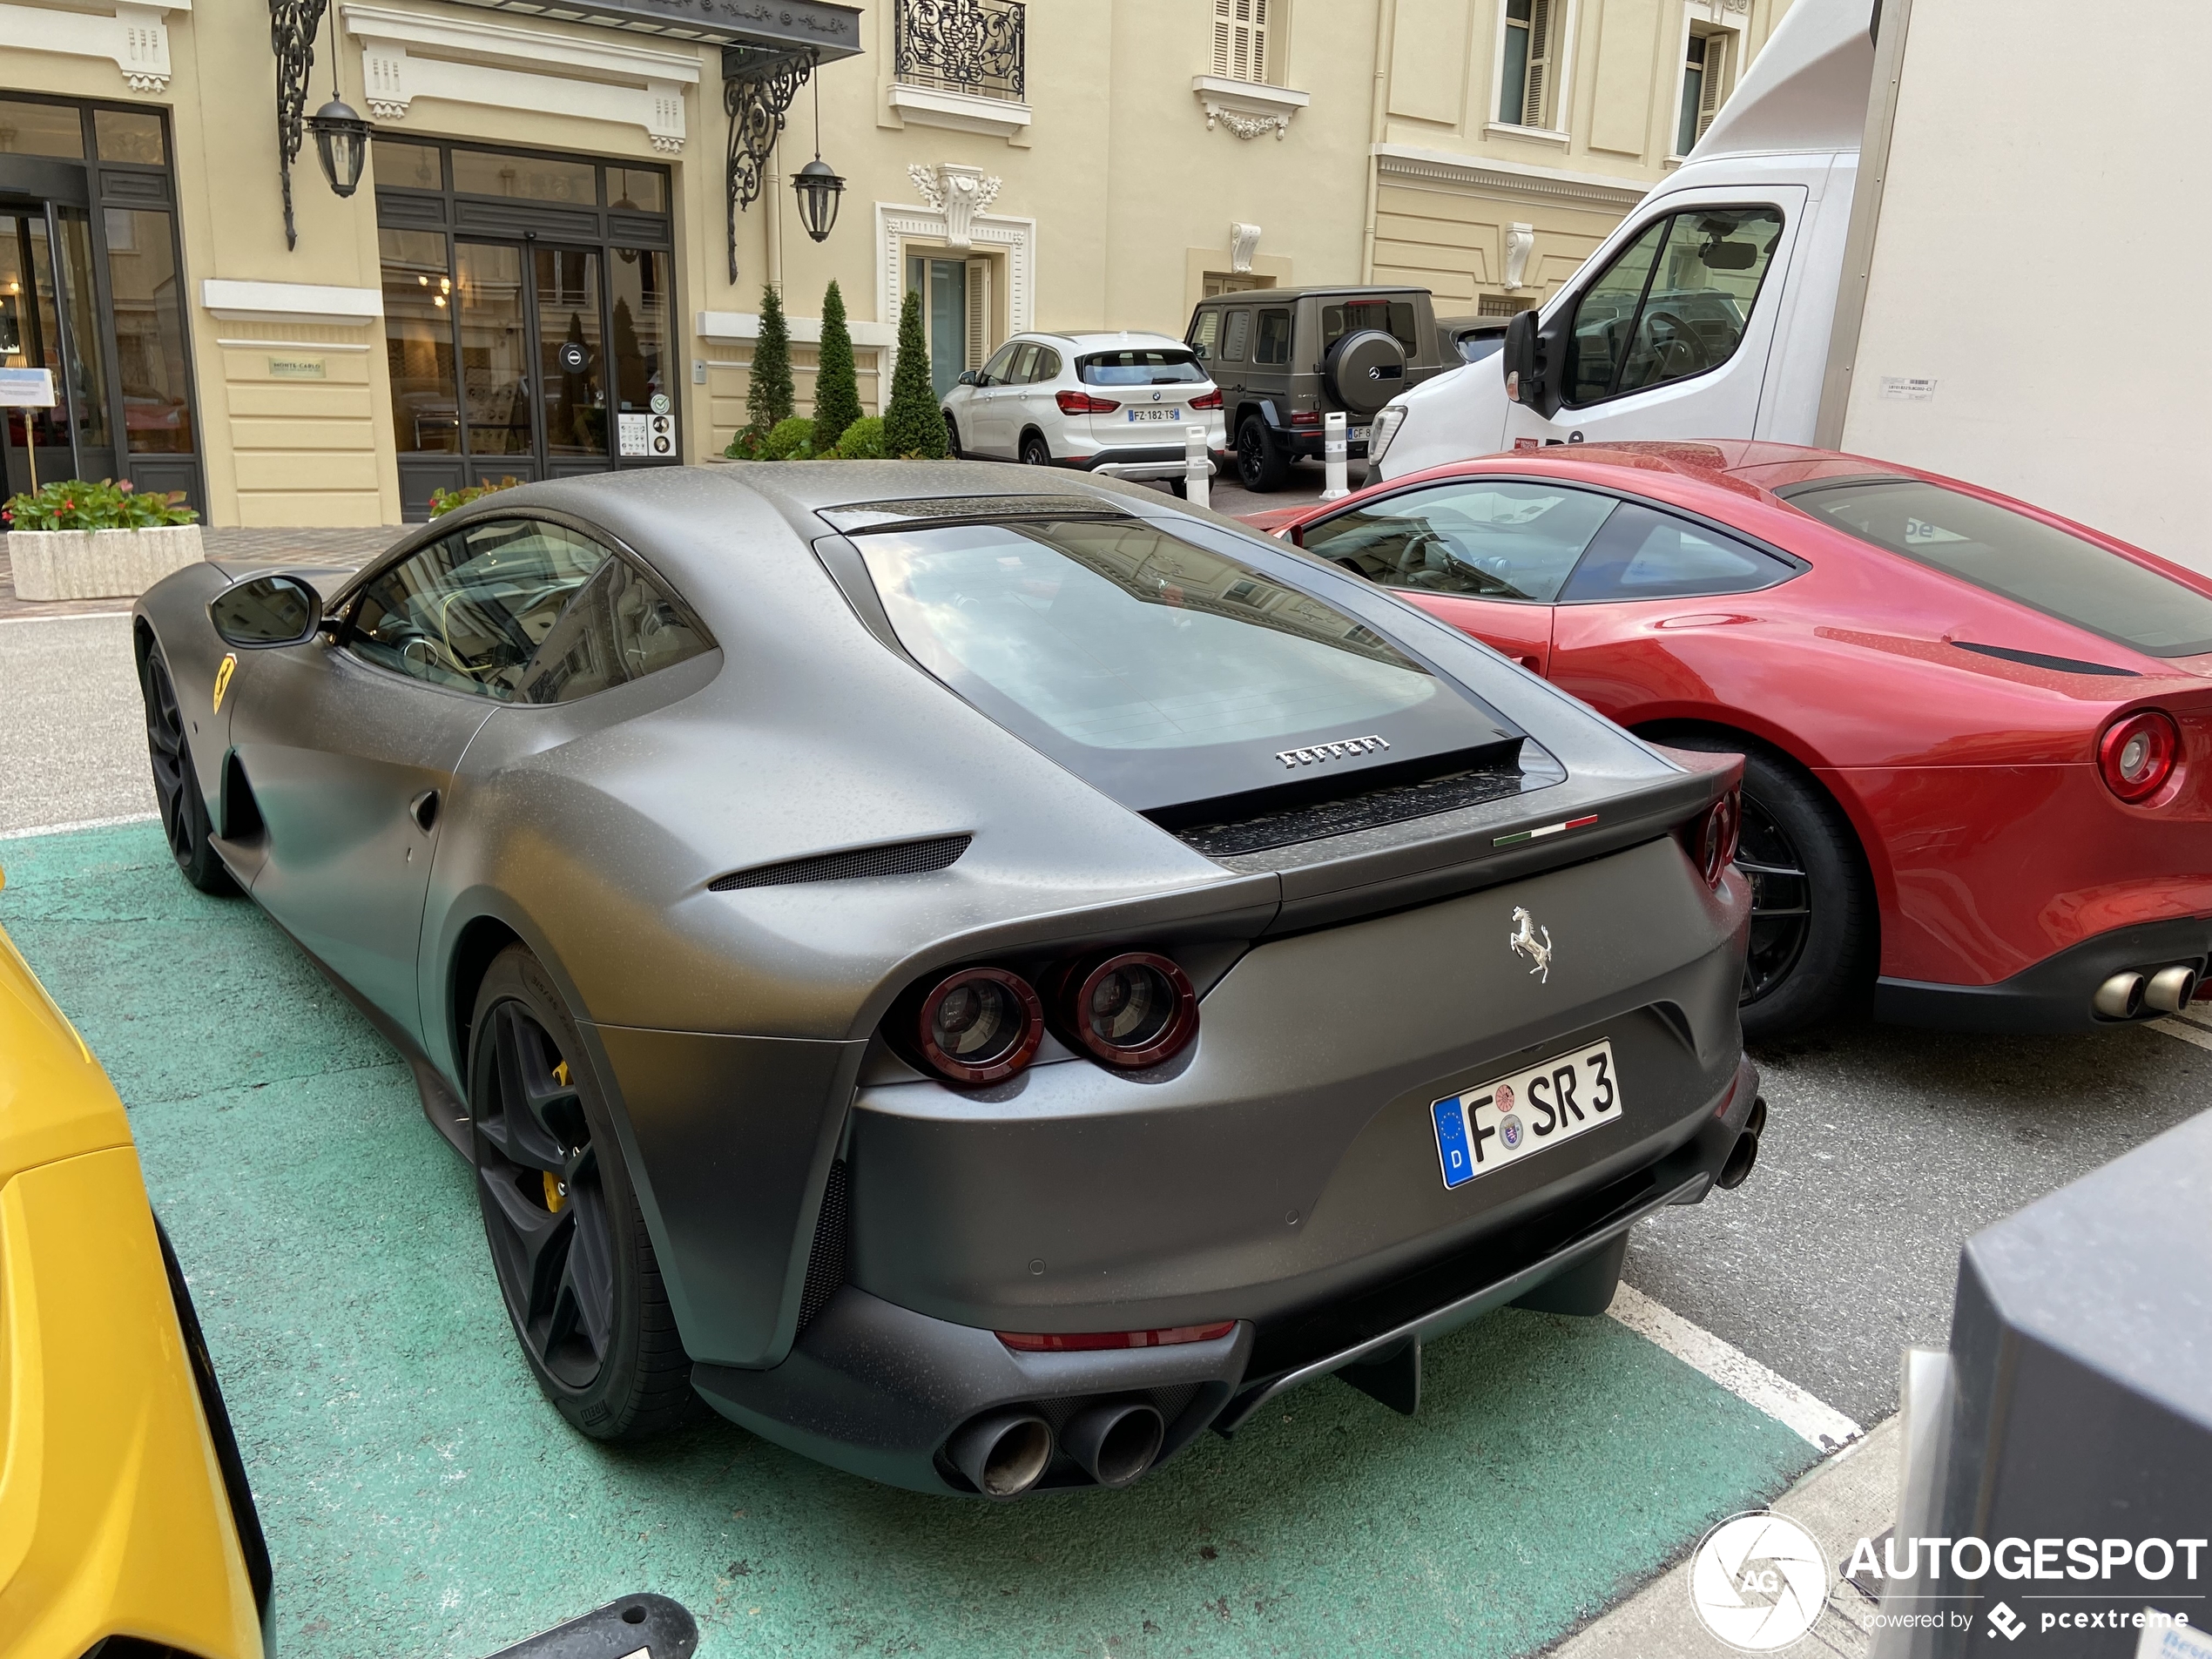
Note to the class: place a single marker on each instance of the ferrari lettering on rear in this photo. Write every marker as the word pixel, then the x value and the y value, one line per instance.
pixel 1293 758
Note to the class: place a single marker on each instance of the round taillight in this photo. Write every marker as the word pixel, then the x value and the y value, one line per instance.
pixel 2138 755
pixel 1717 837
pixel 977 1025
pixel 1131 1009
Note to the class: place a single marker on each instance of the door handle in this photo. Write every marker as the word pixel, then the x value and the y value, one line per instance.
pixel 424 809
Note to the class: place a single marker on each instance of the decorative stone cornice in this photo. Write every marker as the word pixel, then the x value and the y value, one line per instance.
pixel 1243 241
pixel 958 192
pixel 134 35
pixel 1248 108
pixel 959 111
pixel 1509 180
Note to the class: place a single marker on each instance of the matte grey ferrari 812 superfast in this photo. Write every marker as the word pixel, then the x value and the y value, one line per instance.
pixel 980 977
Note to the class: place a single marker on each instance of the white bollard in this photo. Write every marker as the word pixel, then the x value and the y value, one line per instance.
pixel 1335 450
pixel 1198 466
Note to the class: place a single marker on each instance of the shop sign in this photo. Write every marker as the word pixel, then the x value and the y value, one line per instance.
pixel 298 369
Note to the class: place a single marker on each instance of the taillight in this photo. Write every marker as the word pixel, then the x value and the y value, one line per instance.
pixel 1714 846
pixel 1207 400
pixel 1305 417
pixel 1093 1341
pixel 1074 402
pixel 977 1025
pixel 1131 1009
pixel 2138 755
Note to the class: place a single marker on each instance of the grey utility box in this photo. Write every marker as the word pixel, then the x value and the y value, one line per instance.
pixel 2075 1404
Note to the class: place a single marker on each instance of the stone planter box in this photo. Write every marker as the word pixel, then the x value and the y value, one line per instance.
pixel 98 564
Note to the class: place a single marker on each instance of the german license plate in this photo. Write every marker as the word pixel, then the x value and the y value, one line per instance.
pixel 1512 1118
pixel 1150 414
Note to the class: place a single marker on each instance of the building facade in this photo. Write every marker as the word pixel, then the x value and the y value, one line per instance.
pixel 553 261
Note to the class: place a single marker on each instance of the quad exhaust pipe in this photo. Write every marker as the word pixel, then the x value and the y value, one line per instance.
pixel 2165 990
pixel 1002 1454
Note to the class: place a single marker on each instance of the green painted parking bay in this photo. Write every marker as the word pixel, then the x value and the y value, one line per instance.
pixel 421 1498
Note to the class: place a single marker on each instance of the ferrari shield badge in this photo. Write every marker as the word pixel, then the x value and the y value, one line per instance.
pixel 1525 942
pixel 223 679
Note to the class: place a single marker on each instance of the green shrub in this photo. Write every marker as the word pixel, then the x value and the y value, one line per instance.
pixel 913 427
pixel 863 440
pixel 837 386
pixel 768 393
pixel 747 445
pixel 792 440
pixel 444 500
pixel 73 504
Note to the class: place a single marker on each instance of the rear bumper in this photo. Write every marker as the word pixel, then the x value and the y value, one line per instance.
pixel 878 1389
pixel 2055 994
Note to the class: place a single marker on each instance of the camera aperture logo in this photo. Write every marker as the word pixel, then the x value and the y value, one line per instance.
pixel 1758 1581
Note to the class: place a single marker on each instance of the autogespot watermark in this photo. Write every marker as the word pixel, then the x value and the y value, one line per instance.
pixel 1758 1581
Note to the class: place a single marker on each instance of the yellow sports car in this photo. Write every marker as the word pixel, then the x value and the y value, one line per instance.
pixel 124 1512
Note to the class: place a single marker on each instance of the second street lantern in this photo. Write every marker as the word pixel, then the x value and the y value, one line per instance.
pixel 818 188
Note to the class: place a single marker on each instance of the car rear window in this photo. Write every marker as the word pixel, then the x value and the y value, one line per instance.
pixel 1147 365
pixel 1158 671
pixel 2038 564
pixel 1393 317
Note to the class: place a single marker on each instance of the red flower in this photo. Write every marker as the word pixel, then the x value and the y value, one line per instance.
pixel 125 486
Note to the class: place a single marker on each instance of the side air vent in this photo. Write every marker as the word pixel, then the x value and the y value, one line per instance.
pixel 898 858
pixel 826 1263
pixel 2038 659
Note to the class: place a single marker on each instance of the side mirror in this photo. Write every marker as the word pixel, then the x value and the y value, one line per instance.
pixel 969 377
pixel 1531 372
pixel 266 611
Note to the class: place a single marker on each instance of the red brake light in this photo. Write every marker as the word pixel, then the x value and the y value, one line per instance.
pixel 1130 1010
pixel 1305 417
pixel 1715 847
pixel 977 1025
pixel 1207 400
pixel 1091 1341
pixel 2139 754
pixel 1074 402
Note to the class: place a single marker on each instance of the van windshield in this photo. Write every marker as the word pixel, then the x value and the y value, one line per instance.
pixel 1140 366
pixel 2038 564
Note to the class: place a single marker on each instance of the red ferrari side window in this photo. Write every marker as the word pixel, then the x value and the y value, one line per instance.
pixel 1642 554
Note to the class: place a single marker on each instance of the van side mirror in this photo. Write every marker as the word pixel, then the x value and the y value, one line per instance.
pixel 263 612
pixel 1532 358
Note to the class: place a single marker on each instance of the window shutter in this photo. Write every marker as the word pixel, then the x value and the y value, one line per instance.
pixel 1714 93
pixel 978 313
pixel 1536 98
pixel 1240 39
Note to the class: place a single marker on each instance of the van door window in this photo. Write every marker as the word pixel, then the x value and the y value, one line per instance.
pixel 1274 338
pixel 1675 303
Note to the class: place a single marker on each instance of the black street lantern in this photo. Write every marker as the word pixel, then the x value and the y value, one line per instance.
pixel 341 145
pixel 817 188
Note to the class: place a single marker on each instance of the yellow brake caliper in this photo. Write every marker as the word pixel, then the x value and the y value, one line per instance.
pixel 557 1191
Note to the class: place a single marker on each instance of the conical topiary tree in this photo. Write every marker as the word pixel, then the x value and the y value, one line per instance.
pixel 768 395
pixel 913 427
pixel 837 389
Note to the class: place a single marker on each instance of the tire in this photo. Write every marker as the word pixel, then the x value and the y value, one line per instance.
pixel 176 784
pixel 567 1239
pixel 952 438
pixel 1179 488
pixel 1036 452
pixel 1813 917
pixel 1261 464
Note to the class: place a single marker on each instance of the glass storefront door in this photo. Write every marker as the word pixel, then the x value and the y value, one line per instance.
pixel 530 340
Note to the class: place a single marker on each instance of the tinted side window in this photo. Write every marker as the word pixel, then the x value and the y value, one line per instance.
pixel 469 610
pixel 1701 278
pixel 622 627
pixel 995 372
pixel 1045 366
pixel 1274 345
pixel 1237 335
pixel 1482 540
pixel 1645 555
pixel 1017 372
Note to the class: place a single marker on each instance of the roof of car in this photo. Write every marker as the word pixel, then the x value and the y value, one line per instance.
pixel 1335 290
pixel 1106 341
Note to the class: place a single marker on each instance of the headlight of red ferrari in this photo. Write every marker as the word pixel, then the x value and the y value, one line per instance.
pixel 1130 1010
pixel 977 1025
pixel 2138 755
pixel 1713 846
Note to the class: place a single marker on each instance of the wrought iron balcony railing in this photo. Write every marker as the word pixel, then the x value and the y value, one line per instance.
pixel 969 46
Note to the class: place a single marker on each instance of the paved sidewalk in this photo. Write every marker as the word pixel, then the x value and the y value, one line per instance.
pixel 344 545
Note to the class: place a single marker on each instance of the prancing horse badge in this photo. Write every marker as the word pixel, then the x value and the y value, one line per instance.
pixel 223 679
pixel 1525 943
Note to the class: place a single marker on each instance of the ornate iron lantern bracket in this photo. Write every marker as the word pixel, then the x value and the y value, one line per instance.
pixel 293 26
pixel 757 87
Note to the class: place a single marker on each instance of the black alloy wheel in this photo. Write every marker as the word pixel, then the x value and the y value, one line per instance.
pixel 1036 452
pixel 1813 917
pixel 568 1240
pixel 952 437
pixel 176 785
pixel 1261 464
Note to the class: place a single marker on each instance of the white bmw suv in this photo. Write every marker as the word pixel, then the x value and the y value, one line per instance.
pixel 1110 403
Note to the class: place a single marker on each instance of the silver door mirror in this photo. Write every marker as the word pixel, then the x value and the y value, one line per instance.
pixel 266 611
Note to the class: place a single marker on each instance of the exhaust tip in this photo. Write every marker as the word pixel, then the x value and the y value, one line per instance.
pixel 1755 1124
pixel 2170 990
pixel 2120 997
pixel 1115 1444
pixel 1741 1157
pixel 1003 1454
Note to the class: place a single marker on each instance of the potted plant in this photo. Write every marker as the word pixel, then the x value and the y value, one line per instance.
pixel 76 540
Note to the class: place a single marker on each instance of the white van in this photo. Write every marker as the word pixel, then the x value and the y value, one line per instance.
pixel 1706 312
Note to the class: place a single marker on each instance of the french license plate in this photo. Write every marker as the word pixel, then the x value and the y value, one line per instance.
pixel 1357 435
pixel 1511 1118
pixel 1148 413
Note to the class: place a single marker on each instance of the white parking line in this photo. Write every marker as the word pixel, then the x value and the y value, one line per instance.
pixel 2189 1026
pixel 81 824
pixel 1735 1370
